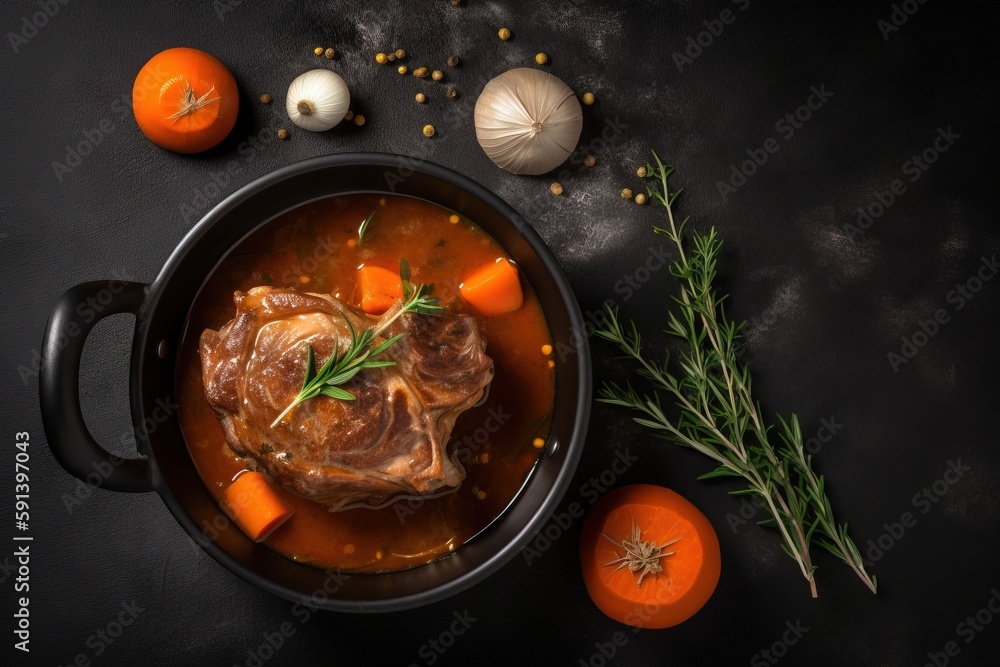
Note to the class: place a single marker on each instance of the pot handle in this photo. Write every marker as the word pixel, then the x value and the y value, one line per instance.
pixel 72 318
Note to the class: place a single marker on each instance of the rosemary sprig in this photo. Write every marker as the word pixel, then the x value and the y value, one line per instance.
pixel 718 415
pixel 363 229
pixel 360 354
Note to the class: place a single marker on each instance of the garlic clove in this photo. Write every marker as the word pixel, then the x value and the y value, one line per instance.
pixel 317 100
pixel 528 121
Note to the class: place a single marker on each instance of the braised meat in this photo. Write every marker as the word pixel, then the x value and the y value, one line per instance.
pixel 390 441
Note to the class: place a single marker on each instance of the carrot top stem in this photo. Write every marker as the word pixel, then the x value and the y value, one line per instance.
pixel 642 556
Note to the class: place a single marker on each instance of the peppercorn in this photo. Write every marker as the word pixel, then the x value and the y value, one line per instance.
pixel 329 53
pixel 589 161
pixel 453 61
pixel 318 50
pixel 349 115
pixel 437 75
pixel 588 98
pixel 400 53
pixel 401 69
pixel 265 99
pixel 626 193
pixel 391 58
pixel 381 58
pixel 541 58
pixel 503 34
pixel 641 172
pixel 428 130
pixel 452 93
pixel 556 189
pixel 640 199
pixel 420 98
pixel 282 134
pixel 421 72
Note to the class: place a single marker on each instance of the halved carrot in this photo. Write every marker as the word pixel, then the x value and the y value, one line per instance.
pixel 682 546
pixel 254 506
pixel 493 289
pixel 379 289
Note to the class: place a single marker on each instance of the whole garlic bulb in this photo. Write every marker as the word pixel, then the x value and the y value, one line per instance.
pixel 317 100
pixel 528 121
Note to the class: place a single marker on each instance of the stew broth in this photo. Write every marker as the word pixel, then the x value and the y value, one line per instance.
pixel 314 248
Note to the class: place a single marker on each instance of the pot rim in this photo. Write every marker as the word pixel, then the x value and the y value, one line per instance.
pixel 581 417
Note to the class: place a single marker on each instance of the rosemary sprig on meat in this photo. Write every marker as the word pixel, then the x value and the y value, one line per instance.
pixel 360 355
pixel 717 413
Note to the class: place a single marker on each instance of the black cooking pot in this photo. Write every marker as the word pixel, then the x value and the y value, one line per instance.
pixel 161 309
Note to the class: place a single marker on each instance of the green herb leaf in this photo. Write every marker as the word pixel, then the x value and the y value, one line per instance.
pixel 364 226
pixel 340 369
pixel 338 393
pixel 310 368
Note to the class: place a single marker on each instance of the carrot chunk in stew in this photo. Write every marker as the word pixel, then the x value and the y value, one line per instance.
pixel 254 506
pixel 379 289
pixel 493 289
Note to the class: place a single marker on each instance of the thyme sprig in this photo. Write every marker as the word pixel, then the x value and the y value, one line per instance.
pixel 717 414
pixel 360 355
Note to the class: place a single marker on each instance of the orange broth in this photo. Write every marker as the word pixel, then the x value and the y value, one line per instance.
pixel 314 248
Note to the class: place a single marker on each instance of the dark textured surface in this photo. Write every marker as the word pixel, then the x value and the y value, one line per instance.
pixel 826 307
